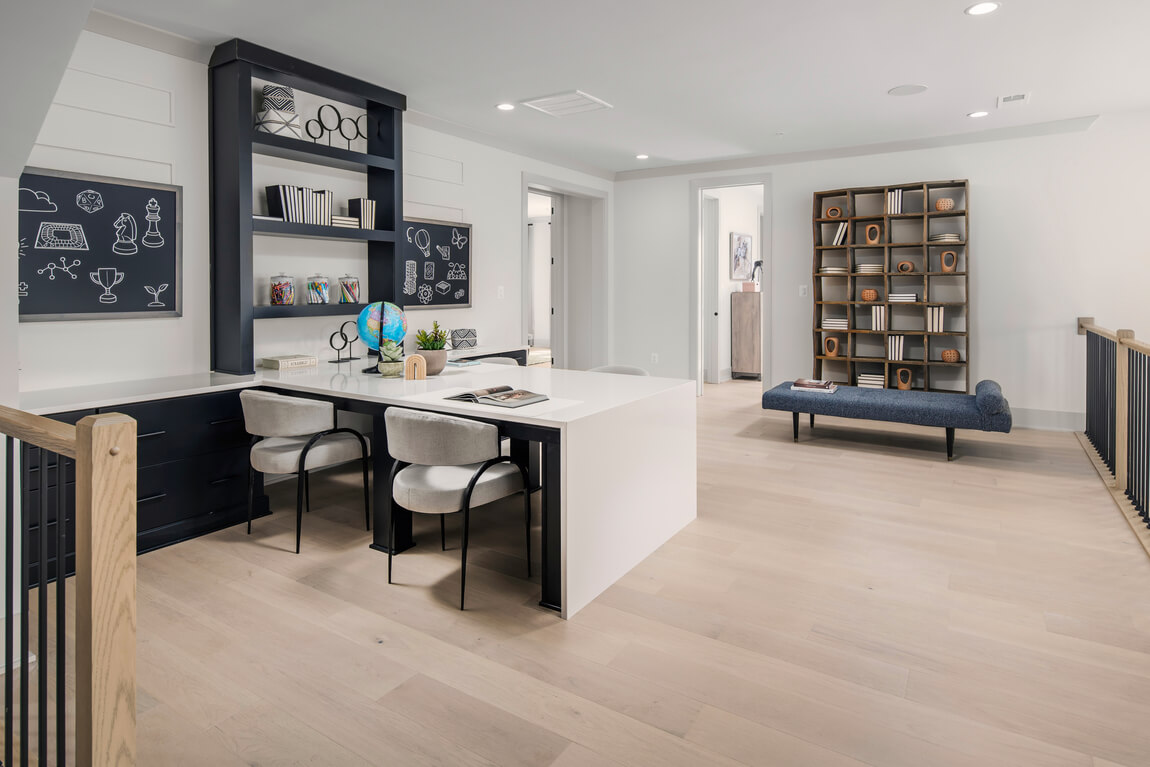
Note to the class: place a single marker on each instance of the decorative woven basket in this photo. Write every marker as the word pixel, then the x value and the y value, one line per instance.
pixel 944 204
pixel 950 355
pixel 870 294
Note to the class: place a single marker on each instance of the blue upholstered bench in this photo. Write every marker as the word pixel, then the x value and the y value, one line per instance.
pixel 985 410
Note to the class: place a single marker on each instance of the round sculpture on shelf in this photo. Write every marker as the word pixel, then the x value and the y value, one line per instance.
pixel 903 377
pixel 943 204
pixel 870 294
pixel 381 322
pixel 949 261
pixel 831 346
pixel 905 267
pixel 834 212
pixel 950 355
pixel 873 233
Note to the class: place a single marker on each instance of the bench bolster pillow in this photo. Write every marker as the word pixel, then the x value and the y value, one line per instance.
pixel 989 396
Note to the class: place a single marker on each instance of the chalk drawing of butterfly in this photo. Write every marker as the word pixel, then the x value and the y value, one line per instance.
pixel 458 239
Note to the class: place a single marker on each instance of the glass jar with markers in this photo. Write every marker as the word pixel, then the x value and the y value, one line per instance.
pixel 282 290
pixel 348 289
pixel 318 289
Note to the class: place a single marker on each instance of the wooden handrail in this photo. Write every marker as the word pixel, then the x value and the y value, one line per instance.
pixel 106 590
pixel 1135 344
pixel 38 430
pixel 1086 325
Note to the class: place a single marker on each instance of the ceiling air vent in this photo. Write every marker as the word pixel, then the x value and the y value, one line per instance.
pixel 1014 100
pixel 564 104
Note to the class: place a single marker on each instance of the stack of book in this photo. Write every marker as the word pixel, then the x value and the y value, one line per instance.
pixel 811 384
pixel 878 318
pixel 934 319
pixel 835 323
pixel 868 268
pixel 299 204
pixel 894 346
pixel 894 202
pixel 288 361
pixel 840 237
pixel 363 210
pixel 944 238
pixel 345 222
pixel 902 298
pixel 833 270
pixel 871 381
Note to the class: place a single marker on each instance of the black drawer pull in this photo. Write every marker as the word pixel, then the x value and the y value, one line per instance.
pixel 222 480
pixel 150 498
pixel 151 434
pixel 223 421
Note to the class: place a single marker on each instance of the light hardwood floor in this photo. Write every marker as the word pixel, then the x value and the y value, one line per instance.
pixel 852 599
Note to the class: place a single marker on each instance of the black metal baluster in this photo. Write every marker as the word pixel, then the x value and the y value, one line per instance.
pixel 61 608
pixel 42 614
pixel 9 584
pixel 1091 371
pixel 25 550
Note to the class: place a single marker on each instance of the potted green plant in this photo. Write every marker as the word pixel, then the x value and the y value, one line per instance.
pixel 390 360
pixel 432 346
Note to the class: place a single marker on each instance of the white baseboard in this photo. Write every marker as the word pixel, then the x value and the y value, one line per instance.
pixel 724 375
pixel 1048 420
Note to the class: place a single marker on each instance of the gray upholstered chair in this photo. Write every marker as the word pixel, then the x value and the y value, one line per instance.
pixel 500 361
pixel 445 465
pixel 626 370
pixel 296 436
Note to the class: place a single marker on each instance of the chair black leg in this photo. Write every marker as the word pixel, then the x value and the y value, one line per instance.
pixel 306 493
pixel 366 497
pixel 390 540
pixel 463 565
pixel 251 494
pixel 812 420
pixel 443 532
pixel 796 421
pixel 949 443
pixel 300 493
pixel 527 525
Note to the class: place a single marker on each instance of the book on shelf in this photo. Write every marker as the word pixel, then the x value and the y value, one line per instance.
pixel 288 361
pixel 814 384
pixel 935 319
pixel 298 205
pixel 894 348
pixel 878 318
pixel 257 217
pixel 363 210
pixel 840 233
pixel 895 298
pixel 500 396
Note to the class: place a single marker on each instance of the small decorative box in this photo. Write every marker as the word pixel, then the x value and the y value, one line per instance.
pixel 464 338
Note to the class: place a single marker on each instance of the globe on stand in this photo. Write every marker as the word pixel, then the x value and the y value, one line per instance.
pixel 378 322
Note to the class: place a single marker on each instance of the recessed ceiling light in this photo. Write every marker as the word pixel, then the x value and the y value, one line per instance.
pixel 978 114
pixel 981 9
pixel 641 156
pixel 505 107
pixel 907 90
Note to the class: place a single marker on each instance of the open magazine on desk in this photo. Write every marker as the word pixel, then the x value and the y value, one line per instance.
pixel 500 396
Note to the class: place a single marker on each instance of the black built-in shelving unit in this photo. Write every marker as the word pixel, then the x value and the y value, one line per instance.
pixel 233 142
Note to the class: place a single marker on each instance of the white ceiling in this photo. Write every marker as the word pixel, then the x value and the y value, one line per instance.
pixel 696 82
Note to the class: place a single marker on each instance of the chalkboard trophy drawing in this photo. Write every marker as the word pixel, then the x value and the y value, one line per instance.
pixel 125 235
pixel 152 237
pixel 107 277
pixel 156 302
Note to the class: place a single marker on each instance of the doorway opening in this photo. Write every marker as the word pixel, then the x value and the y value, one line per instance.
pixel 544 238
pixel 732 284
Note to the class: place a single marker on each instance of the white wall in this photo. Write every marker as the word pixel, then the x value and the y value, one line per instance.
pixel 126 111
pixel 133 112
pixel 739 208
pixel 1054 234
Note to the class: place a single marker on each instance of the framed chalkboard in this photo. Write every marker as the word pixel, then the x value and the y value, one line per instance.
pixel 435 261
pixel 97 248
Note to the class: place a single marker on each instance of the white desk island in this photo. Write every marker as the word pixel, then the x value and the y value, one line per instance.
pixel 618 452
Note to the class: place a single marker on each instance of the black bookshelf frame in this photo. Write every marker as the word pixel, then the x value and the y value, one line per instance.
pixel 233 141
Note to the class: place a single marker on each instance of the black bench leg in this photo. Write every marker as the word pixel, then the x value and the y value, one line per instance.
pixel 812 420
pixel 796 419
pixel 949 443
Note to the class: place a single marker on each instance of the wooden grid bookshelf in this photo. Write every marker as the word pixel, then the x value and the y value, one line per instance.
pixel 904 236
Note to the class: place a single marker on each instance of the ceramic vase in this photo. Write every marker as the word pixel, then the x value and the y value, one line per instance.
pixel 903 377
pixel 831 347
pixel 436 360
pixel 949 261
pixel 873 233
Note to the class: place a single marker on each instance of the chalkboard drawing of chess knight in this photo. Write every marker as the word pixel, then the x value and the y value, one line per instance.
pixel 152 237
pixel 125 235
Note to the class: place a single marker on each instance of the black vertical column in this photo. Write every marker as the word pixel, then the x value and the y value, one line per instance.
pixel 229 144
pixel 552 532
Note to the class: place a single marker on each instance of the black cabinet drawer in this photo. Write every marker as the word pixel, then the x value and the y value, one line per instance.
pixel 193 487
pixel 168 430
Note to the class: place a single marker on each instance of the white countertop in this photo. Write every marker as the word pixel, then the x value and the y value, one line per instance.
pixel 573 394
